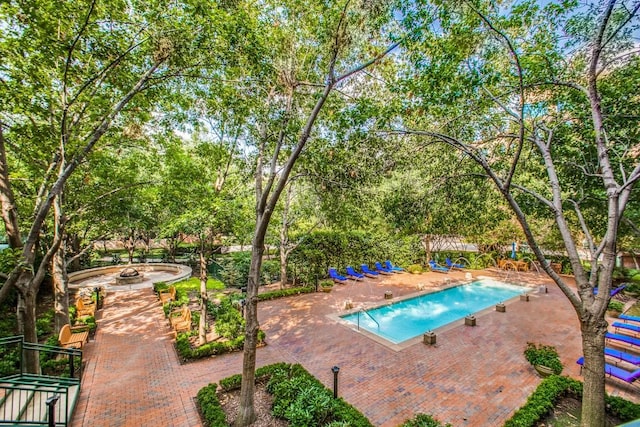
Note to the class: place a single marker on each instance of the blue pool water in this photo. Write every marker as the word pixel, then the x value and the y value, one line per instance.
pixel 409 318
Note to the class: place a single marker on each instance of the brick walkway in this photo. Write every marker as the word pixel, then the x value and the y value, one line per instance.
pixel 474 376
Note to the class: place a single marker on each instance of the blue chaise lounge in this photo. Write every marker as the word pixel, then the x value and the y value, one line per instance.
pixel 337 278
pixel 354 274
pixel 438 268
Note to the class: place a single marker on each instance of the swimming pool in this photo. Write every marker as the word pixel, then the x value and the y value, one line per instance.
pixel 412 317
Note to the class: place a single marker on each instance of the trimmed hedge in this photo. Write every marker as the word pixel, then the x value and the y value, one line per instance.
pixel 298 397
pixel 210 407
pixel 285 293
pixel 185 351
pixel 424 420
pixel 551 389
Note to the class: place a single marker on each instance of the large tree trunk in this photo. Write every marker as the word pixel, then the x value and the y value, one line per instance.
pixel 246 412
pixel 202 325
pixel 28 296
pixel 593 343
pixel 75 242
pixel 59 271
pixel 427 248
pixel 283 266
pixel 60 290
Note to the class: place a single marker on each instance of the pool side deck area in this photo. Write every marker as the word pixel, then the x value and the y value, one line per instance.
pixel 473 376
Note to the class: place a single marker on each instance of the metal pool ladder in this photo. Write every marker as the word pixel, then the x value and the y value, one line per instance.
pixel 362 310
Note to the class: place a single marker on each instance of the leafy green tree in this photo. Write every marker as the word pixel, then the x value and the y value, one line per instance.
pixel 542 128
pixel 302 45
pixel 72 73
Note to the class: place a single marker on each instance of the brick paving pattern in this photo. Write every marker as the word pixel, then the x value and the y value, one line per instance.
pixel 473 376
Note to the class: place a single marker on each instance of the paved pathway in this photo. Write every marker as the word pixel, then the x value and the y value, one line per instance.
pixel 474 376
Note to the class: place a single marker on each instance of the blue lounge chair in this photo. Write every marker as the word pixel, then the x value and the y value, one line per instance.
pixel 634 342
pixel 438 268
pixel 626 327
pixel 354 274
pixel 381 269
pixel 367 272
pixel 629 318
pixel 614 371
pixel 622 356
pixel 613 292
pixel 333 273
pixel 453 265
pixel 392 267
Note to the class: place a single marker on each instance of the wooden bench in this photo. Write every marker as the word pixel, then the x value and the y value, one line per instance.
pixel 179 315
pixel 168 295
pixel 181 323
pixel 73 339
pixel 84 309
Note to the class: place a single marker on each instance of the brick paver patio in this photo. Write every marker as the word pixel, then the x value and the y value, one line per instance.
pixel 474 376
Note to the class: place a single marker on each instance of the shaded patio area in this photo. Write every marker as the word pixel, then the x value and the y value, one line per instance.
pixel 474 376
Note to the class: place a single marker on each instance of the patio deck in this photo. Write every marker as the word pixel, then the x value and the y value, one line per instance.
pixel 474 376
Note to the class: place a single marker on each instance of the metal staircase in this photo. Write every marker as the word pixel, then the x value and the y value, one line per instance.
pixel 44 399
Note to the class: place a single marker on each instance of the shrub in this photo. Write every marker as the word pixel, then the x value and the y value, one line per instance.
pixel 304 401
pixel 44 323
pixel 553 387
pixel 90 321
pixel 285 293
pixel 544 355
pixel 210 407
pixel 326 283
pixel 229 321
pixel 616 306
pixel 424 420
pixel 234 269
pixel 632 288
pixel 186 352
pixel 231 383
pixel 270 272
pixel 415 268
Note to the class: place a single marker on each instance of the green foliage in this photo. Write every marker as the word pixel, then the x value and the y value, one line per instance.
pixel 284 293
pixel 304 401
pixel 545 355
pixel 210 407
pixel 540 402
pixel 186 352
pixel 553 387
pixel 229 322
pixel 632 288
pixel 424 420
pixel 44 323
pixel 10 360
pixel 325 283
pixel 9 258
pixel 414 269
pixel 270 272
pixel 90 321
pixel 231 383
pixel 234 270
pixel 323 249
pixel 615 305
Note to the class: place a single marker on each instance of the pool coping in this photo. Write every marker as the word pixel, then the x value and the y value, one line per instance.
pixel 337 317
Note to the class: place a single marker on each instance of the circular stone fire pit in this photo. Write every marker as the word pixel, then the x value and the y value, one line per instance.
pixel 128 276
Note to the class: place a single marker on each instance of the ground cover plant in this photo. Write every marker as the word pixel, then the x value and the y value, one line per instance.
pixel 554 387
pixel 298 397
pixel 224 313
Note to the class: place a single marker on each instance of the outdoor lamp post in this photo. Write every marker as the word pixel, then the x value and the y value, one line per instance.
pixel 335 371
